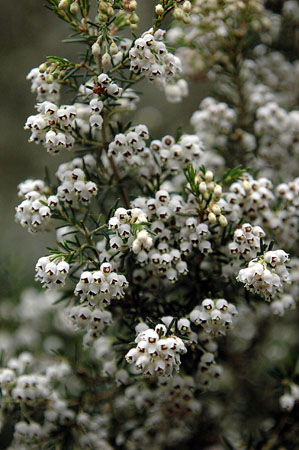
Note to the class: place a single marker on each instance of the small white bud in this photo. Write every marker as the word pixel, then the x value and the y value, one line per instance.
pixel 63 4
pixel 216 209
pixel 96 49
pixel 287 402
pixel 178 13
pixel 209 176
pixel 133 5
pixel 74 8
pixel 187 7
pixel 246 186
pixel 42 68
pixel 159 10
pixel 222 220
pixel 217 191
pixel 136 246
pixel 212 218
pixel 202 187
pixel 106 60
pixel 148 243
pixel 113 49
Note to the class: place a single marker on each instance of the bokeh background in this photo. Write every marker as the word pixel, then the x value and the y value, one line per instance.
pixel 30 32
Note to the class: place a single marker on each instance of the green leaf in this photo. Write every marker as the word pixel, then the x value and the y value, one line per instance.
pixel 174 320
pixel 60 60
pixel 232 175
pixel 178 134
pixel 271 245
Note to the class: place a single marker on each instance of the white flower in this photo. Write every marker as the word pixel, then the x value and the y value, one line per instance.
pixel 215 316
pixel 150 56
pixel 101 286
pixel 265 275
pixel 51 273
pixel 155 354
pixel 287 402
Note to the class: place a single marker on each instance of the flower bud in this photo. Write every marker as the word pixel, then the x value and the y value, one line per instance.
pixel 63 4
pixel 74 8
pixel 136 246
pixel 217 190
pixel 96 49
pixel 103 7
pixel 246 187
pixel 102 17
pixel 133 5
pixel 287 402
pixel 110 11
pixel 159 10
pixel 187 7
pixel 113 49
pixel 202 187
pixel 216 209
pixel 148 243
pixel 178 13
pixel 42 68
pixel 142 236
pixel 209 176
pixel 106 60
pixel 186 19
pixel 222 220
pixel 49 78
pixel 134 19
pixel 212 218
pixel 210 186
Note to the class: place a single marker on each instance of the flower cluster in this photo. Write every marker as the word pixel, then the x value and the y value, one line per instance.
pixel 92 320
pixel 174 156
pixel 273 72
pixel 289 192
pixel 52 126
pixel 35 387
pixel 87 162
pixel 100 286
pixel 156 352
pixel 104 87
pixel 50 272
pixel 176 235
pixel 204 43
pixel 75 189
pixel 34 212
pixel 163 262
pixel 213 122
pixel 166 221
pixel 150 56
pixel 130 148
pixel 281 305
pixel 46 89
pixel 266 274
pixel 178 389
pixel 246 241
pixel 129 228
pixel 31 185
pixel 171 405
pixel 250 199
pixel 208 370
pixel 215 316
pixel 164 259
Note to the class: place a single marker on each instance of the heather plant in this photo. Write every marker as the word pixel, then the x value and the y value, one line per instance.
pixel 168 314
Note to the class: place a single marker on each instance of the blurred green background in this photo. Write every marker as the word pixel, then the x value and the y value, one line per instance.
pixel 30 32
